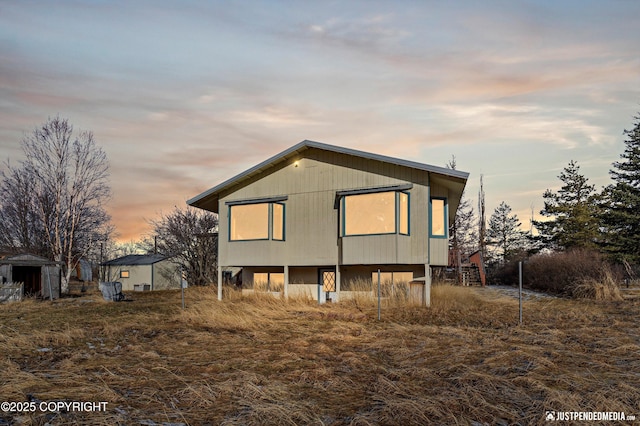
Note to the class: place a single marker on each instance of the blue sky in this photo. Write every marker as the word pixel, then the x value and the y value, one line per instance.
pixel 183 95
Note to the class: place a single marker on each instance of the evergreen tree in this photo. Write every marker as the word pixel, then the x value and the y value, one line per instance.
pixel 463 233
pixel 504 234
pixel 621 201
pixel 573 208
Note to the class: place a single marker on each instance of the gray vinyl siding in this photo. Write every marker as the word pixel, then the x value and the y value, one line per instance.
pixel 312 224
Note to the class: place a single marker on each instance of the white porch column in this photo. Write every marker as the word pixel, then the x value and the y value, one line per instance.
pixel 286 281
pixel 219 282
pixel 427 285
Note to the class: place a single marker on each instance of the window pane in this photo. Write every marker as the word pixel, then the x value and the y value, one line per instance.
pixel 328 281
pixel 268 281
pixel 370 214
pixel 404 213
pixel 278 222
pixel 260 279
pixel 250 222
pixel 438 220
pixel 276 279
pixel 402 277
pixel 386 278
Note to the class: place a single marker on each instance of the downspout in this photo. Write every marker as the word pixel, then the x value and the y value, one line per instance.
pixel 152 276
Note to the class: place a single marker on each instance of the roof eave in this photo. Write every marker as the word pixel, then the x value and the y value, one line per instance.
pixel 205 201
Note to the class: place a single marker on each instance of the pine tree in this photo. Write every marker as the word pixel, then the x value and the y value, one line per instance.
pixel 573 208
pixel 463 233
pixel 621 206
pixel 504 233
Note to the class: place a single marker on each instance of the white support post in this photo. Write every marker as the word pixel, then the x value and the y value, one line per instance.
pixel 427 285
pixel 286 281
pixel 219 282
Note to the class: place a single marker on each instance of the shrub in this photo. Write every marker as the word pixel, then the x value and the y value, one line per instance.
pixel 575 273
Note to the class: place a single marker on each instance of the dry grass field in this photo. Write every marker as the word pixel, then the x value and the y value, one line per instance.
pixel 464 361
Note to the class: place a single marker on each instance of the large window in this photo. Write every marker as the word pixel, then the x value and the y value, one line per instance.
pixel 260 221
pixel 438 217
pixel 376 213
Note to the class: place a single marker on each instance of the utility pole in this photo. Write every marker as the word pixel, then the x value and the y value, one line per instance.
pixel 482 222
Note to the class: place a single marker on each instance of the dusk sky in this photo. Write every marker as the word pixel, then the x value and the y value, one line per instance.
pixel 183 95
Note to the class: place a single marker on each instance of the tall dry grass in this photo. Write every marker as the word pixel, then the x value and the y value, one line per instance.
pixel 258 360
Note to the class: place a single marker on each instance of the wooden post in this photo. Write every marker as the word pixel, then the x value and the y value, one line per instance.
pixel 427 285
pixel 378 294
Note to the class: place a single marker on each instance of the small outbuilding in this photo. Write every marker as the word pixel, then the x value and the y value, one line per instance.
pixel 143 272
pixel 40 276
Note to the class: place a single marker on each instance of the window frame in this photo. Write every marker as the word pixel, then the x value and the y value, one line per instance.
pixel 250 239
pixel 396 191
pixel 270 217
pixel 284 221
pixel 399 211
pixel 445 218
pixel 124 273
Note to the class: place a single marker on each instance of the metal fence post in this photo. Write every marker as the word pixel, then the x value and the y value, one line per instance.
pixel 520 291
pixel 378 294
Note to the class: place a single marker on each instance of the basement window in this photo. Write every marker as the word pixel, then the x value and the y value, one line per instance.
pixel 268 281
pixel 388 278
pixel 438 217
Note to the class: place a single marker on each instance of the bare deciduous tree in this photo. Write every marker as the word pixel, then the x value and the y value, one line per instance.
pixel 20 227
pixel 59 190
pixel 190 236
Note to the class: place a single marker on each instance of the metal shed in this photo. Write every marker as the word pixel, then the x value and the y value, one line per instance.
pixel 143 272
pixel 41 277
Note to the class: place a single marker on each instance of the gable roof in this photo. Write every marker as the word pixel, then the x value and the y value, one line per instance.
pixel 136 259
pixel 28 259
pixel 208 200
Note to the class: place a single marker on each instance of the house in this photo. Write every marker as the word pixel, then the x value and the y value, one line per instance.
pixel 321 220
pixel 41 277
pixel 143 272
